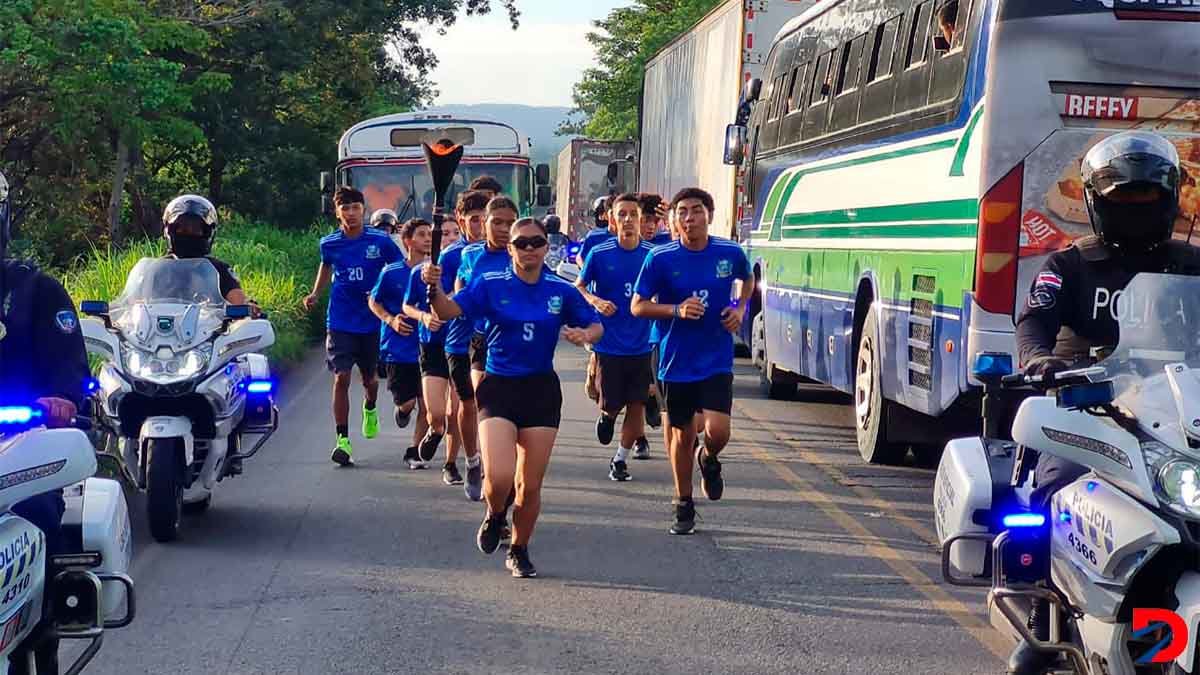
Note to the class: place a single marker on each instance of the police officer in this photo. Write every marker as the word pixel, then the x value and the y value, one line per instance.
pixel 1131 188
pixel 190 227
pixel 43 360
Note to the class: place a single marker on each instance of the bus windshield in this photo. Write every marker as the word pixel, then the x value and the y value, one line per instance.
pixel 407 189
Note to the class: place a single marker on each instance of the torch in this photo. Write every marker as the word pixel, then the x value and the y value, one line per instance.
pixel 442 158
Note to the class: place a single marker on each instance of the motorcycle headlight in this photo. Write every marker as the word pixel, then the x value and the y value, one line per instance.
pixel 1179 481
pixel 149 366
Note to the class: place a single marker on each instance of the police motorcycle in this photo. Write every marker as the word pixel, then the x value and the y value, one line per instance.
pixel 182 383
pixel 1122 539
pixel 565 266
pixel 89 591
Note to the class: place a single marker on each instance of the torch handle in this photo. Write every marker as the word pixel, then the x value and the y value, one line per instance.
pixel 435 251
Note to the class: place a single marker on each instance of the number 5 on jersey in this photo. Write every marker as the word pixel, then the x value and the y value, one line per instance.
pixel 528 332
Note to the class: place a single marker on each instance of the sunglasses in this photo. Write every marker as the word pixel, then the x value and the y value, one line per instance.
pixel 529 243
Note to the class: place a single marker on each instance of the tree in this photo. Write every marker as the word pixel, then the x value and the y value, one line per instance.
pixel 607 96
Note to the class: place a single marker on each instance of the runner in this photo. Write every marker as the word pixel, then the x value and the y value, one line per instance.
pixel 520 400
pixel 490 255
pixel 487 185
pixel 693 280
pixel 623 372
pixel 398 340
pixel 606 229
pixel 352 258
pixel 470 212
pixel 656 232
pixel 654 219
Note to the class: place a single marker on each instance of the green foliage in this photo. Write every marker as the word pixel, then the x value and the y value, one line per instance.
pixel 607 96
pixel 275 267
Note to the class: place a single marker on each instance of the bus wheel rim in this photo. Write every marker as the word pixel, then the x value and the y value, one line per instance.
pixel 864 384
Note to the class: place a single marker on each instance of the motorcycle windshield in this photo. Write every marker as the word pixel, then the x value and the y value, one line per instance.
pixel 168 280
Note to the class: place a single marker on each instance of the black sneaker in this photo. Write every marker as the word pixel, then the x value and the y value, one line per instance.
pixel 653 413
pixel 685 517
pixel 618 471
pixel 451 476
pixel 403 418
pixel 413 460
pixel 641 449
pixel 605 426
pixel 519 564
pixel 429 445
pixel 710 475
pixel 490 533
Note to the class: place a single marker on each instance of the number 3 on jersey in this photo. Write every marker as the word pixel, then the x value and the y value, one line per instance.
pixel 628 290
pixel 528 332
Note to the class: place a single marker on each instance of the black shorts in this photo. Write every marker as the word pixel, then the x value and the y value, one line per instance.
pixel 654 369
pixel 685 399
pixel 433 361
pixel 478 352
pixel 460 375
pixel 622 380
pixel 343 351
pixel 404 381
pixel 529 401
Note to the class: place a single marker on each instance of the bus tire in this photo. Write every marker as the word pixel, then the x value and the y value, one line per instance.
pixel 777 385
pixel 871 409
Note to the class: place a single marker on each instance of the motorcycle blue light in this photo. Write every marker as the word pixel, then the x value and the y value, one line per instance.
pixel 91 384
pixel 260 387
pixel 1065 517
pixel 19 414
pixel 1085 395
pixel 1024 520
pixel 993 364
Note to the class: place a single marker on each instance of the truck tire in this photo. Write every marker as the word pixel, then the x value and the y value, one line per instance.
pixel 164 488
pixel 871 409
pixel 777 385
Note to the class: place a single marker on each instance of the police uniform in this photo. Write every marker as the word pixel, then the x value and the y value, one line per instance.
pixel 1072 307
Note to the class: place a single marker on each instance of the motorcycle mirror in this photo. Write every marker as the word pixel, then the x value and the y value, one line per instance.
pixel 237 311
pixel 94 307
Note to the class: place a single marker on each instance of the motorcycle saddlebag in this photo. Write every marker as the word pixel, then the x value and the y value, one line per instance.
pixel 971 486
pixel 96 521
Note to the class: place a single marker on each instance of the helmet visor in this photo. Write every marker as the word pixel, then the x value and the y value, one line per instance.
pixel 1132 159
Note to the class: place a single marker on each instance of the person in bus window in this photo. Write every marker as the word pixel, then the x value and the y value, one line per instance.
pixel 947 19
pixel 1131 189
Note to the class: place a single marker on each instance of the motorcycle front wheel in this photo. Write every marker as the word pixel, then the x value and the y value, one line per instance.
pixel 164 488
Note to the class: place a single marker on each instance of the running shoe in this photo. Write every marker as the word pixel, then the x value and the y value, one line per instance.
pixel 653 413
pixel 370 422
pixel 506 531
pixel 618 471
pixel 413 460
pixel 710 475
pixel 403 418
pixel 490 533
pixel 451 476
pixel 474 486
pixel 519 564
pixel 641 449
pixel 429 445
pixel 685 517
pixel 342 451
pixel 605 426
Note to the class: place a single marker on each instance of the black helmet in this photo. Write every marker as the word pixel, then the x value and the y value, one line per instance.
pixel 192 209
pixel 1132 161
pixel 600 210
pixel 553 224
pixel 385 219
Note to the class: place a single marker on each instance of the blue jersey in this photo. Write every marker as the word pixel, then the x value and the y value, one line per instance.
pixel 593 239
pixel 458 331
pixel 611 271
pixel 692 349
pixel 356 264
pixel 477 260
pixel 417 295
pixel 524 320
pixel 661 238
pixel 389 292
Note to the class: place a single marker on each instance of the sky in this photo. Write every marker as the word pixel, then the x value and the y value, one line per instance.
pixel 534 65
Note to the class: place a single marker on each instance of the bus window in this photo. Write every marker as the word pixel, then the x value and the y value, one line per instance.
pixel 846 94
pixel 912 87
pixel 789 129
pixel 817 115
pixel 879 91
pixel 918 30
pixel 884 50
pixel 951 67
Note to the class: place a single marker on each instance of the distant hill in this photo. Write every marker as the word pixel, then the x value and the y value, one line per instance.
pixel 537 122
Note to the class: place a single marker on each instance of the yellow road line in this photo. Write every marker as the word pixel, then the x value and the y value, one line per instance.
pixel 876 547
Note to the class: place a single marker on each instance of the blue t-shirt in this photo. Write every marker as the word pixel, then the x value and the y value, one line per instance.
pixel 357 264
pixel 389 292
pixel 661 238
pixel 458 331
pixel 611 271
pixel 417 295
pixel 691 349
pixel 524 320
pixel 477 260
pixel 593 239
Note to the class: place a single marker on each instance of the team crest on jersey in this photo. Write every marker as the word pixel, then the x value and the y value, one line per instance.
pixel 554 305
pixel 724 268
pixel 67 323
pixel 372 252
pixel 3 330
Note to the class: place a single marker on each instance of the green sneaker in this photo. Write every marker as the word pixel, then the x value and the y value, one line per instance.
pixel 342 451
pixel 370 422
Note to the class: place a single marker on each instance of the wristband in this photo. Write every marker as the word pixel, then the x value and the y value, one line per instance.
pixel 675 311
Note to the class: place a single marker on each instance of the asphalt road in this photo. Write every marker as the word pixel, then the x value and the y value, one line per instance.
pixel 812 563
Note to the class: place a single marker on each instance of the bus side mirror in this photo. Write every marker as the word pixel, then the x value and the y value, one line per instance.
pixel 541 174
pixel 735 144
pixel 326 183
pixel 752 90
pixel 326 205
pixel 544 196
